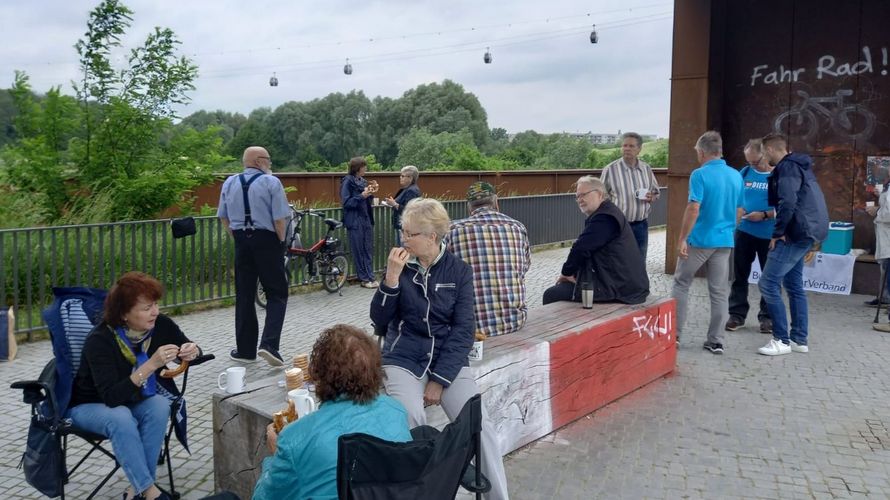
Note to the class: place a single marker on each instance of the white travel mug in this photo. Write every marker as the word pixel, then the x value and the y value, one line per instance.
pixel 232 380
pixel 303 401
pixel 587 299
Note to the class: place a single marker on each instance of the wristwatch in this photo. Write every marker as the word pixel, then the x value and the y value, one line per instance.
pixel 765 215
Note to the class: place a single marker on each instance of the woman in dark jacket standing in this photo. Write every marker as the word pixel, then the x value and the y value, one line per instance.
pixel 426 303
pixel 356 195
pixel 408 190
pixel 115 390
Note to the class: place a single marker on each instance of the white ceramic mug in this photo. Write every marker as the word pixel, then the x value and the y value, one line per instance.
pixel 476 351
pixel 303 401
pixel 232 380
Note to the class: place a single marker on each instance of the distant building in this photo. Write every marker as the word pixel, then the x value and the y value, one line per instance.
pixel 599 139
pixel 605 139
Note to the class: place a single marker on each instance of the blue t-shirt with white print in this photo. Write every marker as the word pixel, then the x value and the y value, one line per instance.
pixel 756 201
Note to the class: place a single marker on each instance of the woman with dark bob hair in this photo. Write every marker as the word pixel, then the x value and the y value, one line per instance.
pixel 116 388
pixel 347 373
pixel 356 194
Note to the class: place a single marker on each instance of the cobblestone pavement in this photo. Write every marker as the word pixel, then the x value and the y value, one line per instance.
pixel 740 425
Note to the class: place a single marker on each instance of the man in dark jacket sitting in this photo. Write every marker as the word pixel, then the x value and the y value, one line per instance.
pixel 801 221
pixel 608 246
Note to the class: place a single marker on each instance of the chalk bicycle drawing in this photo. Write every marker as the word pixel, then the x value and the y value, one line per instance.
pixel 324 261
pixel 850 120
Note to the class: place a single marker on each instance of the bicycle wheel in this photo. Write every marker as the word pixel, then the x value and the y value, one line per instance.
pixel 800 123
pixel 334 274
pixel 260 295
pixel 854 122
pixel 260 298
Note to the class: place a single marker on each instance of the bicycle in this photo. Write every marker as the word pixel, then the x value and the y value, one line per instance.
pixel 324 261
pixel 803 116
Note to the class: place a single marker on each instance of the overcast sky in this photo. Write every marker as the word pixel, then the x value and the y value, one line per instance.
pixel 546 75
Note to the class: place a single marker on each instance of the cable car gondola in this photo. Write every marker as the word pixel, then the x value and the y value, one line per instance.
pixel 593 36
pixel 348 67
pixel 487 56
pixel 273 82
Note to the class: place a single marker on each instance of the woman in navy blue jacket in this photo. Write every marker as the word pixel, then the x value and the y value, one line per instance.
pixel 356 195
pixel 426 304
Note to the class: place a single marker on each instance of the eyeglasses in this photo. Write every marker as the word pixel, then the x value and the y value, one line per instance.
pixel 264 158
pixel 406 235
pixel 582 195
pixel 404 175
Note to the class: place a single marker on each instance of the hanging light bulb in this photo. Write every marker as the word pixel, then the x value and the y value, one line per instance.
pixel 487 56
pixel 348 67
pixel 273 82
pixel 593 36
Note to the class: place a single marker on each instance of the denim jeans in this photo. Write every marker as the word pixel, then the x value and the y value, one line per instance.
pixel 136 433
pixel 641 234
pixel 361 246
pixel 784 266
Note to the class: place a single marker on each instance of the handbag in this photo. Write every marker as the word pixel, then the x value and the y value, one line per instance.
pixel 43 462
pixel 183 227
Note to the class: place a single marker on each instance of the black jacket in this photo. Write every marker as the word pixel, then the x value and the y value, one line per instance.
pixel 402 197
pixel 800 205
pixel 608 244
pixel 430 319
pixel 104 374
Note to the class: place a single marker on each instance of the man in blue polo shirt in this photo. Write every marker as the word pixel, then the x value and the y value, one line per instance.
pixel 751 238
pixel 716 193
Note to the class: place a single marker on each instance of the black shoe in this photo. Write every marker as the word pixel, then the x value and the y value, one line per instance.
pixel 734 324
pixel 239 358
pixel 874 303
pixel 271 356
pixel 766 326
pixel 714 347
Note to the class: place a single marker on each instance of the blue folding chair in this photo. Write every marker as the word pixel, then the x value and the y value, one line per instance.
pixel 71 317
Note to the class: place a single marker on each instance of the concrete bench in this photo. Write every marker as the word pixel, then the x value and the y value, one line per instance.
pixel 564 364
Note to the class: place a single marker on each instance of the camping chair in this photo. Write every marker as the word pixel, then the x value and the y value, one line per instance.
pixel 431 466
pixel 70 318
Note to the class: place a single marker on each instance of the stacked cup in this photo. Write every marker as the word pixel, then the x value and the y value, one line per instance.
pixel 293 378
pixel 301 361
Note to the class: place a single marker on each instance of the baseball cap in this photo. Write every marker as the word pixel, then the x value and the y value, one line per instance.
pixel 479 190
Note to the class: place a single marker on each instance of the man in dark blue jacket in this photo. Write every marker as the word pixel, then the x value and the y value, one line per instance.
pixel 801 221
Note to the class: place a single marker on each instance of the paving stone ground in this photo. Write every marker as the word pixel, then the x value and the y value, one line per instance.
pixel 740 425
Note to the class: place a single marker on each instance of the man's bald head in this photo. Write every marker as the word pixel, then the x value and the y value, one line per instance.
pixel 257 157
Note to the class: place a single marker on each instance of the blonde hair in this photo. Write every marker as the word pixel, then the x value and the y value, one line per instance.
pixel 427 215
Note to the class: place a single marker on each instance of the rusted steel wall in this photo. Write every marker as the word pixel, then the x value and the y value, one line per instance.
pixel 816 70
pixel 325 187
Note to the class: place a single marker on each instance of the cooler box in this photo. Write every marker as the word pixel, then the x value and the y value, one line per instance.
pixel 840 238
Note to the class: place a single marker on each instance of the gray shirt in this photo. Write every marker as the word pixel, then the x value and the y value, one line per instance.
pixel 268 202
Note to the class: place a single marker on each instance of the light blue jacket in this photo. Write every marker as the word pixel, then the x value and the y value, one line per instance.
pixel 305 464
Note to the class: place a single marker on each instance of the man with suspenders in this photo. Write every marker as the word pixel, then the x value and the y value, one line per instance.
pixel 253 208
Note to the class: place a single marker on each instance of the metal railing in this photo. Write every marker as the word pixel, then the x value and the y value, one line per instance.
pixel 200 268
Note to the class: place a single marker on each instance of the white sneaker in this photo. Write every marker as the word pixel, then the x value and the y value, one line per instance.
pixel 799 348
pixel 775 348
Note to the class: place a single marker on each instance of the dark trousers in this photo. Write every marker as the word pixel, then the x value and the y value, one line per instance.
pixel 746 247
pixel 567 292
pixel 361 247
pixel 640 229
pixel 258 255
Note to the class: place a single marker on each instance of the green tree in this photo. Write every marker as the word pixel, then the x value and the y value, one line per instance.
pixel 430 151
pixel 116 142
pixel 564 151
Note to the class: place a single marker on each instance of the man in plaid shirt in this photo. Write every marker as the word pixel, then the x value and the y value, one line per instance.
pixel 496 246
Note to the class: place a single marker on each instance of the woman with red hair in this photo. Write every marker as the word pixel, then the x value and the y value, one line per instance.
pixel 115 389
